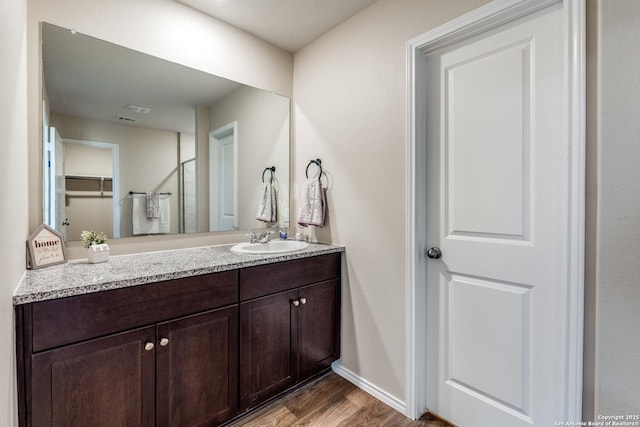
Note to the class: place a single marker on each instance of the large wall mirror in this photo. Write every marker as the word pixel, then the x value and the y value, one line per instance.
pixel 136 145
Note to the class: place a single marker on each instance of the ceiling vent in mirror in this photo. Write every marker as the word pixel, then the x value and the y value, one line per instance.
pixel 138 110
pixel 126 119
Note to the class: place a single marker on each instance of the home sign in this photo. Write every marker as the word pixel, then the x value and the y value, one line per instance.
pixel 45 247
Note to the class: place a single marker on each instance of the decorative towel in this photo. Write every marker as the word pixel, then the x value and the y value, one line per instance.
pixel 267 207
pixel 144 225
pixel 153 205
pixel 314 203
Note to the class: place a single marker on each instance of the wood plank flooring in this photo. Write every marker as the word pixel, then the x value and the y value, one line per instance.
pixel 332 401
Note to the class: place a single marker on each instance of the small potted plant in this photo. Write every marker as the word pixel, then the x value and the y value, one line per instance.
pixel 97 249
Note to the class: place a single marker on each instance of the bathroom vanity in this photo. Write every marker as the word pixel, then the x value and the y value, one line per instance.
pixel 187 337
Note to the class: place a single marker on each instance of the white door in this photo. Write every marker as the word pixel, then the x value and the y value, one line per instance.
pixel 226 193
pixel 495 208
pixel 222 178
pixel 54 183
pixel 61 199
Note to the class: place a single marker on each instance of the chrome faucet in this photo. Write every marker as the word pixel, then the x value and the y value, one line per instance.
pixel 264 237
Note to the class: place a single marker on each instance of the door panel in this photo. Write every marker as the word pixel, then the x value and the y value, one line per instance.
pixel 197 369
pixel 54 182
pixel 227 184
pixel 495 196
pixel 490 321
pixel 222 178
pixel 267 335
pixel 488 116
pixel 104 382
pixel 60 183
pixel 318 327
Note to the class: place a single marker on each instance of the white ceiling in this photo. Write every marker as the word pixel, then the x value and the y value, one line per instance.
pixel 91 78
pixel 289 24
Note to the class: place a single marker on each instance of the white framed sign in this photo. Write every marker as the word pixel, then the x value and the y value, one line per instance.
pixel 45 247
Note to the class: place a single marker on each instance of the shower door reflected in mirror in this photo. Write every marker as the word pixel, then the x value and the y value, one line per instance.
pixel 188 189
pixel 189 208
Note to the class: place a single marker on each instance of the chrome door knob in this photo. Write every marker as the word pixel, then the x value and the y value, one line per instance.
pixel 303 300
pixel 295 302
pixel 149 346
pixel 434 252
pixel 164 342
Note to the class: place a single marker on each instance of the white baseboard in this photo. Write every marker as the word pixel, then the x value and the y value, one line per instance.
pixel 370 388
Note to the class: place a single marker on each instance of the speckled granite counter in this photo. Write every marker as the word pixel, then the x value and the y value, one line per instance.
pixel 79 277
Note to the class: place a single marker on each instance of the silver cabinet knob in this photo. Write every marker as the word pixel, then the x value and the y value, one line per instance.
pixel 149 346
pixel 164 342
pixel 434 252
pixel 295 302
pixel 303 300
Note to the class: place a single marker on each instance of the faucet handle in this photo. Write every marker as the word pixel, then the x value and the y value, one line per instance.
pixel 253 236
pixel 264 236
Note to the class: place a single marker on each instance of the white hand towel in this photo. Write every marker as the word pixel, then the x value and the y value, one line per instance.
pixel 144 225
pixel 267 206
pixel 314 203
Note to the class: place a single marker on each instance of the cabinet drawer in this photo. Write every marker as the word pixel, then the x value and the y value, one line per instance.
pixel 271 278
pixel 67 320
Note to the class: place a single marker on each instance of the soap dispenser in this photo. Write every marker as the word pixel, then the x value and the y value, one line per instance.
pixel 283 232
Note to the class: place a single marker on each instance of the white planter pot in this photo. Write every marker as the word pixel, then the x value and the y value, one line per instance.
pixel 98 253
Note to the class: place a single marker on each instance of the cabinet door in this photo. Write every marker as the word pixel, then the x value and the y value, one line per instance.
pixel 106 382
pixel 318 327
pixel 267 332
pixel 197 369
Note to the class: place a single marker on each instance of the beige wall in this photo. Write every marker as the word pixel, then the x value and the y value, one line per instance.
pixel 350 102
pixel 14 207
pixel 86 160
pixel 263 140
pixel 163 28
pixel 616 288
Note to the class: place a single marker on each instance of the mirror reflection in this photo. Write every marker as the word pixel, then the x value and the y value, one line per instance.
pixel 136 145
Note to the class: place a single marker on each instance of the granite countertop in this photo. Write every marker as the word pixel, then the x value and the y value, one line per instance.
pixel 79 277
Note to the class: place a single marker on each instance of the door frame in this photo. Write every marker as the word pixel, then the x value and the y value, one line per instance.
pixel 476 22
pixel 115 178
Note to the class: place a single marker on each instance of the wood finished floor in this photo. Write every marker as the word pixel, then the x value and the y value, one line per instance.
pixel 332 401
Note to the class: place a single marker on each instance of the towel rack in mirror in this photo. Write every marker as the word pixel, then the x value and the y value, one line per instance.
pixel 318 162
pixel 142 192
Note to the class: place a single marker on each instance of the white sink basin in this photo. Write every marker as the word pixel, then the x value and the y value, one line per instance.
pixel 272 247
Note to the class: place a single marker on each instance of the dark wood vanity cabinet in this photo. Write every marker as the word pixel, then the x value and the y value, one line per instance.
pixel 132 357
pixel 186 352
pixel 289 325
pixel 115 381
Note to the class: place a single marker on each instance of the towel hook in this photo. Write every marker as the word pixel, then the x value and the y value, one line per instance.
pixel 317 162
pixel 272 169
